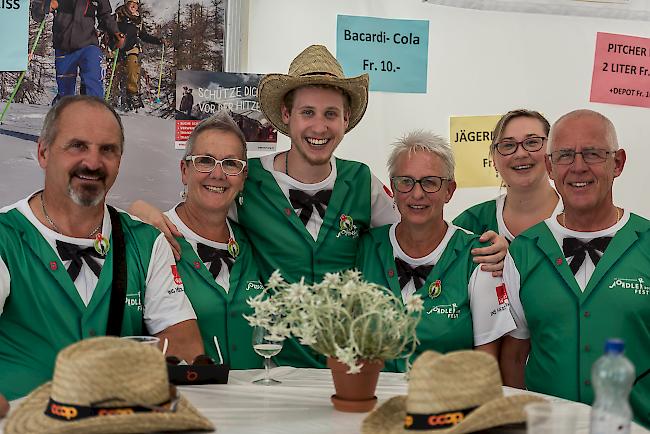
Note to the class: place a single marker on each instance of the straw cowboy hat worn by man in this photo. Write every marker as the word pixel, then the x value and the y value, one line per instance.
pixel 72 267
pixel 456 393
pixel 304 209
pixel 107 385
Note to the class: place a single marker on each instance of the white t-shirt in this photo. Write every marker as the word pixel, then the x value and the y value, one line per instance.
pixel 162 306
pixel 481 290
pixel 223 278
pixel 383 211
pixel 503 229
pixel 512 279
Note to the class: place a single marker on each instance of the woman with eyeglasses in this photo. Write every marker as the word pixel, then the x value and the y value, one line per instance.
pixel 423 255
pixel 518 151
pixel 216 264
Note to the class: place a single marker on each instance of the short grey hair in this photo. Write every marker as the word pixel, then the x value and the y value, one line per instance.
pixel 220 121
pixel 51 123
pixel 422 141
pixel 610 130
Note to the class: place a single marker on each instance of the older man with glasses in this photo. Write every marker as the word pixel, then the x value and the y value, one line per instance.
pixel 583 276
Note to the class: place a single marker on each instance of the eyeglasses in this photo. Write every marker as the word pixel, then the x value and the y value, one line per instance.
pixel 207 163
pixel 590 156
pixel 429 184
pixel 509 147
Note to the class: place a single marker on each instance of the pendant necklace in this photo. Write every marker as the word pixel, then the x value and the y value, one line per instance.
pixel 100 243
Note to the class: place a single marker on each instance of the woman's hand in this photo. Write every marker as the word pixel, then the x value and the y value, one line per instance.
pixel 491 257
pixel 152 215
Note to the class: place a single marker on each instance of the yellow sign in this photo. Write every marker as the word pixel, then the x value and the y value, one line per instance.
pixel 470 138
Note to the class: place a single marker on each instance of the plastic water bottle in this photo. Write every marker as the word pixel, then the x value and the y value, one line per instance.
pixel 612 376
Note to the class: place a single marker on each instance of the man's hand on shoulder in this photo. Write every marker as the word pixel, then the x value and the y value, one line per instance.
pixel 491 257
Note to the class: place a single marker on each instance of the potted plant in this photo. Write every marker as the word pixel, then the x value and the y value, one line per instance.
pixel 356 324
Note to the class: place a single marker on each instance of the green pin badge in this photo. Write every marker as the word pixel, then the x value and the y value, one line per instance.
pixel 101 244
pixel 435 289
pixel 233 248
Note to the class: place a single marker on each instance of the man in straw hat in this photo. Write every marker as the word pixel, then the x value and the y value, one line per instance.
pixel 581 277
pixel 459 392
pixel 107 385
pixel 304 209
pixel 71 267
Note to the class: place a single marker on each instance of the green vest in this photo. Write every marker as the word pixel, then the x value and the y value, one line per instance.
pixel 44 313
pixel 446 323
pixel 569 327
pixel 281 241
pixel 480 218
pixel 219 313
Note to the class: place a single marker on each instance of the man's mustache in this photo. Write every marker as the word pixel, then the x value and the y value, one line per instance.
pixel 88 173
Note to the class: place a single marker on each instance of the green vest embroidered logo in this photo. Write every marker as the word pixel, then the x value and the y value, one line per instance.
pixel 638 285
pixel 134 300
pixel 347 227
pixel 254 284
pixel 451 310
pixel 435 289
pixel 233 248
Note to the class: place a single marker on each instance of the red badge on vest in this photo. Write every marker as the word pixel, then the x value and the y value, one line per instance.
pixel 502 294
pixel 53 266
pixel 177 277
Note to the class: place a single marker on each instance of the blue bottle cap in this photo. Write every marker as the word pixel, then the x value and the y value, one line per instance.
pixel 615 346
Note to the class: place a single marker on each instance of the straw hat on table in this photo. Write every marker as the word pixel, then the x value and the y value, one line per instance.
pixel 455 393
pixel 314 66
pixel 106 385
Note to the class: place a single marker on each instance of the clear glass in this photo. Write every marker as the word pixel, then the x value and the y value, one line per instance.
pixel 551 418
pixel 266 348
pixel 207 163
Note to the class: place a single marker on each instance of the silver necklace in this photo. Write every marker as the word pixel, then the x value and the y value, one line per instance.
pixel 51 222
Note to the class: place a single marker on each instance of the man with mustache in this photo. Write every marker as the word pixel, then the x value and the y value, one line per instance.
pixel 72 267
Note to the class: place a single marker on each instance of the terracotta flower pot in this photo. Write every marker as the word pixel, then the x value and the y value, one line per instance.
pixel 355 392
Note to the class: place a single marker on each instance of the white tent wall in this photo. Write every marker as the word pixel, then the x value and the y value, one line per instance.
pixel 480 63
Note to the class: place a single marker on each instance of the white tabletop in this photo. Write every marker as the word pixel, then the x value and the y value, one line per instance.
pixel 301 404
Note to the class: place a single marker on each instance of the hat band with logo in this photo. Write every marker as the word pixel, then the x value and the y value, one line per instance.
pixel 435 421
pixel 72 412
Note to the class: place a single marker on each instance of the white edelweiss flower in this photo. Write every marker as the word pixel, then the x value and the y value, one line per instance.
pixel 354 275
pixel 296 292
pixel 414 303
pixel 346 355
pixel 255 321
pixel 354 369
pixel 275 279
pixel 331 279
pixel 348 289
pixel 308 338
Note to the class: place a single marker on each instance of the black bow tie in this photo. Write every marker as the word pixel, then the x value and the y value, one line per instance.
pixel 303 201
pixel 405 273
pixel 75 253
pixel 578 249
pixel 214 256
